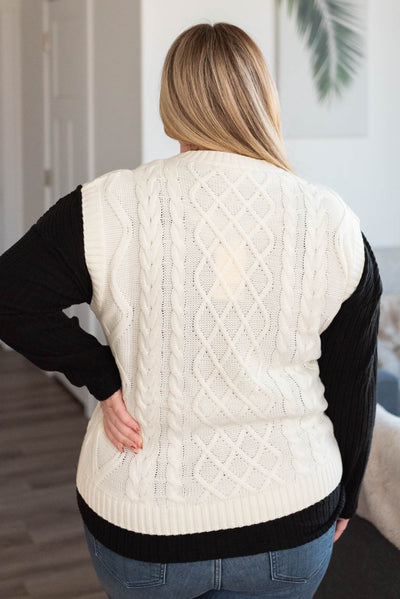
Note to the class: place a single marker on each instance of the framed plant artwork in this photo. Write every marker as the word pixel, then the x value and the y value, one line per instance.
pixel 321 67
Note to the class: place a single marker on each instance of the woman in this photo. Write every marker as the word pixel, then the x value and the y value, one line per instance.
pixel 240 303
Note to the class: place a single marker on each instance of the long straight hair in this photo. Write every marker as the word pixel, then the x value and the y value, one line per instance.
pixel 217 93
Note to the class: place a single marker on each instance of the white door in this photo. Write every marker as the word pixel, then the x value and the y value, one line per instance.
pixel 66 46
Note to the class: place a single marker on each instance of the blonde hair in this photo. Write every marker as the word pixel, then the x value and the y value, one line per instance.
pixel 217 93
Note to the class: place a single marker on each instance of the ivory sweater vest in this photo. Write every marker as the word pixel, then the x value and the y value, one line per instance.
pixel 213 276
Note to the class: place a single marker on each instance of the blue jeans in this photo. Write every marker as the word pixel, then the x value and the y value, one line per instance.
pixel 288 573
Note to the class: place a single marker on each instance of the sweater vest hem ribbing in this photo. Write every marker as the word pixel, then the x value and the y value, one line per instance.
pixel 183 518
pixel 287 532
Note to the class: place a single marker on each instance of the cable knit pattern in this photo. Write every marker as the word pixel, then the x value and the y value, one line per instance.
pixel 213 276
pixel 147 396
pixel 174 475
pixel 284 338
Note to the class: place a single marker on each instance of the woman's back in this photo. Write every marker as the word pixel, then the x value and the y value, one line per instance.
pixel 214 275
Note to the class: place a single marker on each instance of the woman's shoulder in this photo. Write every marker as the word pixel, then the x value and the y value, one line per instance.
pixel 126 174
pixel 329 200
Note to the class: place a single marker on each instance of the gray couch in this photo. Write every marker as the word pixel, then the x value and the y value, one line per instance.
pixel 387 391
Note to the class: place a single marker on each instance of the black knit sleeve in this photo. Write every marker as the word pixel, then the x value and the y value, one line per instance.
pixel 348 370
pixel 43 273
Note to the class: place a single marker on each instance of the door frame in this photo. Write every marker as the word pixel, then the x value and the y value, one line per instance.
pixel 11 221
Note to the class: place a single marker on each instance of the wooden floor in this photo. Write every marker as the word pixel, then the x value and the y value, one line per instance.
pixel 43 551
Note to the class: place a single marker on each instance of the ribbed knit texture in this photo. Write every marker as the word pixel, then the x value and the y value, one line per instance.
pixel 359 319
pixel 213 276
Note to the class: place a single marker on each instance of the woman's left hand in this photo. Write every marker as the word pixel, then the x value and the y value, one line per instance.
pixel 341 524
pixel 119 426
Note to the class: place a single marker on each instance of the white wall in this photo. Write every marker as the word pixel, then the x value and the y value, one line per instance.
pixel 363 170
pixel 118 102
pixel 129 129
pixel 2 165
pixel 32 111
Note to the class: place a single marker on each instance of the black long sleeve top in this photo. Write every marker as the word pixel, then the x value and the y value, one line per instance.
pixel 45 272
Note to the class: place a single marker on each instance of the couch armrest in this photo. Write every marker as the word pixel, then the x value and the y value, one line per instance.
pixel 387 391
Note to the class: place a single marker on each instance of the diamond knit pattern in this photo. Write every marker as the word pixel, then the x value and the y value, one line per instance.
pixel 213 276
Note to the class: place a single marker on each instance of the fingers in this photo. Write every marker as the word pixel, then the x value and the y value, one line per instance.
pixel 115 404
pixel 122 424
pixel 125 417
pixel 121 435
pixel 341 525
pixel 120 427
